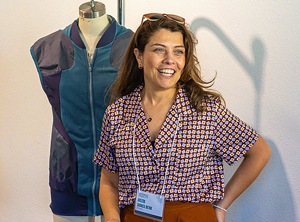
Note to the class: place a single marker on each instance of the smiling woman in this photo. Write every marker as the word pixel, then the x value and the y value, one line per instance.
pixel 163 61
pixel 165 134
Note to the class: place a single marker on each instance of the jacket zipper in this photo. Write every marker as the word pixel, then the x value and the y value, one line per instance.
pixel 94 134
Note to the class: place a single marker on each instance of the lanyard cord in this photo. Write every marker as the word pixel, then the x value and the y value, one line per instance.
pixel 137 174
pixel 167 169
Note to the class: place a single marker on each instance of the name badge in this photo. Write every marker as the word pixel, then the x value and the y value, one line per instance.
pixel 149 205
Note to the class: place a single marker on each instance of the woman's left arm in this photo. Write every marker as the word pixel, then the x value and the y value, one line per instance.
pixel 254 161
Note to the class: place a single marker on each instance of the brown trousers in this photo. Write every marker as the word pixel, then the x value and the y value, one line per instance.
pixel 176 212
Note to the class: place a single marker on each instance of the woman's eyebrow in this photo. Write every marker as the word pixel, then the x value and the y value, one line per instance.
pixel 158 44
pixel 162 45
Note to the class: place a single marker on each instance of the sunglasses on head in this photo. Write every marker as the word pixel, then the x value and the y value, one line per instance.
pixel 156 16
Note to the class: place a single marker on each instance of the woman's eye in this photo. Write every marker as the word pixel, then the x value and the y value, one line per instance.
pixel 179 52
pixel 158 50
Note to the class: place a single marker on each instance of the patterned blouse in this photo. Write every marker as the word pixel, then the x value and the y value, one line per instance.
pixel 196 143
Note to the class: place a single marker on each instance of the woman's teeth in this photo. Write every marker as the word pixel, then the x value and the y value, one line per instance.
pixel 167 72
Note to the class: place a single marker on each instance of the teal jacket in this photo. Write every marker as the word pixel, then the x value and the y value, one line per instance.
pixel 76 90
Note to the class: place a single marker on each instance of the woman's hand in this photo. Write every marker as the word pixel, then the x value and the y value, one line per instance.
pixel 220 214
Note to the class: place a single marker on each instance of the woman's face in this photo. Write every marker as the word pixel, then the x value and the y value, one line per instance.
pixel 163 60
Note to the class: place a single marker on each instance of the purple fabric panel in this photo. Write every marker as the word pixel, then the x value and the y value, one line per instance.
pixel 63 163
pixel 75 36
pixel 57 123
pixel 53 53
pixel 65 184
pixel 51 86
pixel 119 48
pixel 68 204
pixel 108 36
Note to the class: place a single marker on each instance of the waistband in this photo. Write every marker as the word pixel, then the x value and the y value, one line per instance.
pixel 176 211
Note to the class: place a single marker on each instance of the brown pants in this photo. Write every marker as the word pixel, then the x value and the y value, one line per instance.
pixel 176 212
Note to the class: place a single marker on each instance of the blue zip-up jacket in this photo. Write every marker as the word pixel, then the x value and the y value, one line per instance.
pixel 76 90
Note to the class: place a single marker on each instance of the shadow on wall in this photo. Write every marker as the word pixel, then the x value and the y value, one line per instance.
pixel 270 197
pixel 253 68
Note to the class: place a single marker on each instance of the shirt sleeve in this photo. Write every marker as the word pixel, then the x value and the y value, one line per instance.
pixel 233 137
pixel 106 154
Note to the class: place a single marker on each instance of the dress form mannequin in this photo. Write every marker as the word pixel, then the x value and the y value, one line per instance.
pixel 93 22
pixel 75 85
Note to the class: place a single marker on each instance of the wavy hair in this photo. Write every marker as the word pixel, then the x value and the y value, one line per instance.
pixel 130 76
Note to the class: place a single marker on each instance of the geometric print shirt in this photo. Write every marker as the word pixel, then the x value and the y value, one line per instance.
pixel 186 162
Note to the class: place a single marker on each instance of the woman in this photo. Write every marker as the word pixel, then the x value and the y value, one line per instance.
pixel 163 142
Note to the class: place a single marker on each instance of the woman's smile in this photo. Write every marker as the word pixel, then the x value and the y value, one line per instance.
pixel 166 72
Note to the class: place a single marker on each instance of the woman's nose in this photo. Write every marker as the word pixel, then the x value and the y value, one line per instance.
pixel 169 59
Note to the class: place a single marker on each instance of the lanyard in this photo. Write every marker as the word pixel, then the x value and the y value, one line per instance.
pixel 167 169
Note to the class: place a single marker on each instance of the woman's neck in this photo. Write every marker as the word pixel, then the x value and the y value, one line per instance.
pixel 155 98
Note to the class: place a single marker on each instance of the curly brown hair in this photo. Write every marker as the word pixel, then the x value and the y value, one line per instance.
pixel 130 76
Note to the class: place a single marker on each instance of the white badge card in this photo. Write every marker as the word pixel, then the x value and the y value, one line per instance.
pixel 149 205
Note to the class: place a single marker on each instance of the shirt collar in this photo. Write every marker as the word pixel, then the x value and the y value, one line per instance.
pixel 182 102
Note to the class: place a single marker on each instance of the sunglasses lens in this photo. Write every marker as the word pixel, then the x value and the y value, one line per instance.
pixel 177 18
pixel 153 16
pixel 156 17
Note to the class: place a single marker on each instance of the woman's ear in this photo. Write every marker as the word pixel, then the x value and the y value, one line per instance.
pixel 139 57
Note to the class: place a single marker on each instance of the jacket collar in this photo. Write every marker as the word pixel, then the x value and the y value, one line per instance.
pixel 107 37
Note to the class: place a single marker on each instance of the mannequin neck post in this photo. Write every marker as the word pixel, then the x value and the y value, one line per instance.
pixel 93 26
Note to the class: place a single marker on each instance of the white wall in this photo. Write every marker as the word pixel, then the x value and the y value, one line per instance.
pixel 254 47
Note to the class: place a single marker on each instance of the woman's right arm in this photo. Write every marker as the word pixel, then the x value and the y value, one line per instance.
pixel 109 196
